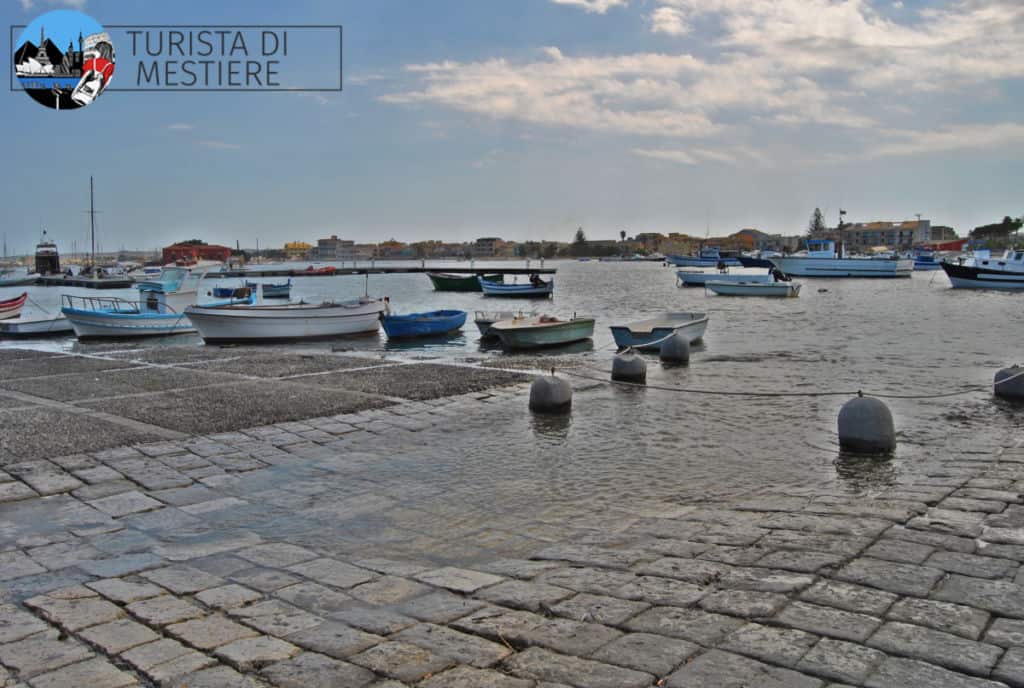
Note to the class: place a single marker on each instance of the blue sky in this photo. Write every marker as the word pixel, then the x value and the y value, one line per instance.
pixel 528 118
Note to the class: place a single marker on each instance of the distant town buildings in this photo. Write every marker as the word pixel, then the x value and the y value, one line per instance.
pixel 334 248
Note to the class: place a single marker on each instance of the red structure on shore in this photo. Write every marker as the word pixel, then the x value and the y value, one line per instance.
pixel 194 252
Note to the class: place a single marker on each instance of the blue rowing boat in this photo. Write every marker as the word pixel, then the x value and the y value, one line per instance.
pixel 529 289
pixel 423 324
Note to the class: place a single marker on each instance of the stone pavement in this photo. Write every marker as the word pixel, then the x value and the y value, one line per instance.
pixel 328 552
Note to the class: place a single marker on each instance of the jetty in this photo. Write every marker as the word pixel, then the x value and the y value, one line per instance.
pixel 373 270
pixel 87 282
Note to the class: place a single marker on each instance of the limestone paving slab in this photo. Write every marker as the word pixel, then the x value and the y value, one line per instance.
pixel 943 616
pixel 838 660
pixel 694 625
pixel 334 639
pixel 117 636
pixel 210 632
pixel 747 604
pixel 1011 667
pixel 999 597
pixel 164 610
pixel 544 665
pixel 39 654
pixel 15 624
pixel 459 580
pixel 182 579
pixel 718 669
pixel 902 579
pixel 401 661
pixel 249 653
pixel 460 647
pixel 468 677
pixel 943 649
pixel 75 614
pixel 523 629
pixel 275 617
pixel 646 652
pixel 828 621
pixel 228 596
pixel 440 607
pixel 899 671
pixel 388 590
pixel 781 646
pixel 311 670
pixel 92 672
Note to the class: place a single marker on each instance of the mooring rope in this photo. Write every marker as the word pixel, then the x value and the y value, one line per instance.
pixel 726 393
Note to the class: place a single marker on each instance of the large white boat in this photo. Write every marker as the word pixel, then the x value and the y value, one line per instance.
pixel 694 278
pixel 249 322
pixel 982 271
pixel 822 260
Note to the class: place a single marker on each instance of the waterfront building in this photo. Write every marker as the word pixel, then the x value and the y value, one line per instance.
pixel 861 236
pixel 486 247
pixel 194 251
pixel 297 250
pixel 334 248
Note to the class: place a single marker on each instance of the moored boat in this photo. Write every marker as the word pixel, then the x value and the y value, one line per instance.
pixel 693 278
pixel 707 257
pixel 647 335
pixel 11 308
pixel 774 289
pixel 926 260
pixel 35 326
pixel 484 320
pixel 981 271
pixel 822 260
pixel 270 291
pixel 532 289
pixel 16 279
pixel 293 321
pixel 444 281
pixel 423 324
pixel 541 331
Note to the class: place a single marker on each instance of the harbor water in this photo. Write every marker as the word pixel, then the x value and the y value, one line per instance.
pixel 908 337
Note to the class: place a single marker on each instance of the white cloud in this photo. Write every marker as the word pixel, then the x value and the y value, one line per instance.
pixel 180 126
pixel 679 156
pixel 669 20
pixel 595 6
pixel 74 4
pixel 954 138
pixel 727 155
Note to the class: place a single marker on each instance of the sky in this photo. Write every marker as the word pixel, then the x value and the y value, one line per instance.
pixel 526 119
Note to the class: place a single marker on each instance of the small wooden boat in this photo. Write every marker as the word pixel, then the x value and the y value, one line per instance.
pixel 270 291
pixel 484 320
pixel 444 281
pixel 423 324
pixel 11 308
pixel 545 330
pixel 527 290
pixel 647 335
pixel 694 278
pixel 293 321
pixel 36 326
pixel 774 289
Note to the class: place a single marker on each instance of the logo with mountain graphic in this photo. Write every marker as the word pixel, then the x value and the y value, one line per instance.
pixel 59 77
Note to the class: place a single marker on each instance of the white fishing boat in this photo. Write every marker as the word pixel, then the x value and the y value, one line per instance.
pixel 982 271
pixel 17 278
pixel 773 289
pixel 36 326
pixel 484 319
pixel 159 310
pixel 696 278
pixel 822 260
pixel 647 335
pixel 257 322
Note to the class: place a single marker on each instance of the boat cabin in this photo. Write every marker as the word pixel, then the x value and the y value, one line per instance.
pixel 821 248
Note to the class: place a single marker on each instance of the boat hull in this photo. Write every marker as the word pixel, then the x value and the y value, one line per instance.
pixel 970 277
pixel 774 290
pixel 699 279
pixel 96 324
pixel 517 290
pixel 284 323
pixel 642 338
pixel 19 281
pixel 802 266
pixel 750 262
pixel 423 324
pixel 445 282
pixel 11 308
pixel 695 262
pixel 35 327
pixel 541 336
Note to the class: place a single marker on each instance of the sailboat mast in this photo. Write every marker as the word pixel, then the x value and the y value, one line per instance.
pixel 92 222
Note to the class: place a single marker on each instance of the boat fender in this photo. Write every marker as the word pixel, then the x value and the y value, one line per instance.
pixel 628 367
pixel 675 349
pixel 550 394
pixel 866 426
pixel 1009 383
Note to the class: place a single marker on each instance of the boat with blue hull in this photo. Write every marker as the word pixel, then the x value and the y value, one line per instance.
pixel 159 310
pixel 427 324
pixel 708 257
pixel 534 289
pixel 926 260
pixel 647 335
pixel 270 291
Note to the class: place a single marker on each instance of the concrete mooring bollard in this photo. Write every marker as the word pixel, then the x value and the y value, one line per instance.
pixel 550 394
pixel 866 426
pixel 629 367
pixel 675 349
pixel 1009 383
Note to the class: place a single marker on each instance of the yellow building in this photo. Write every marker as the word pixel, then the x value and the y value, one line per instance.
pixel 297 249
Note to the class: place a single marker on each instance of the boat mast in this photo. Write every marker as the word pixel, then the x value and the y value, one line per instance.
pixel 92 223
